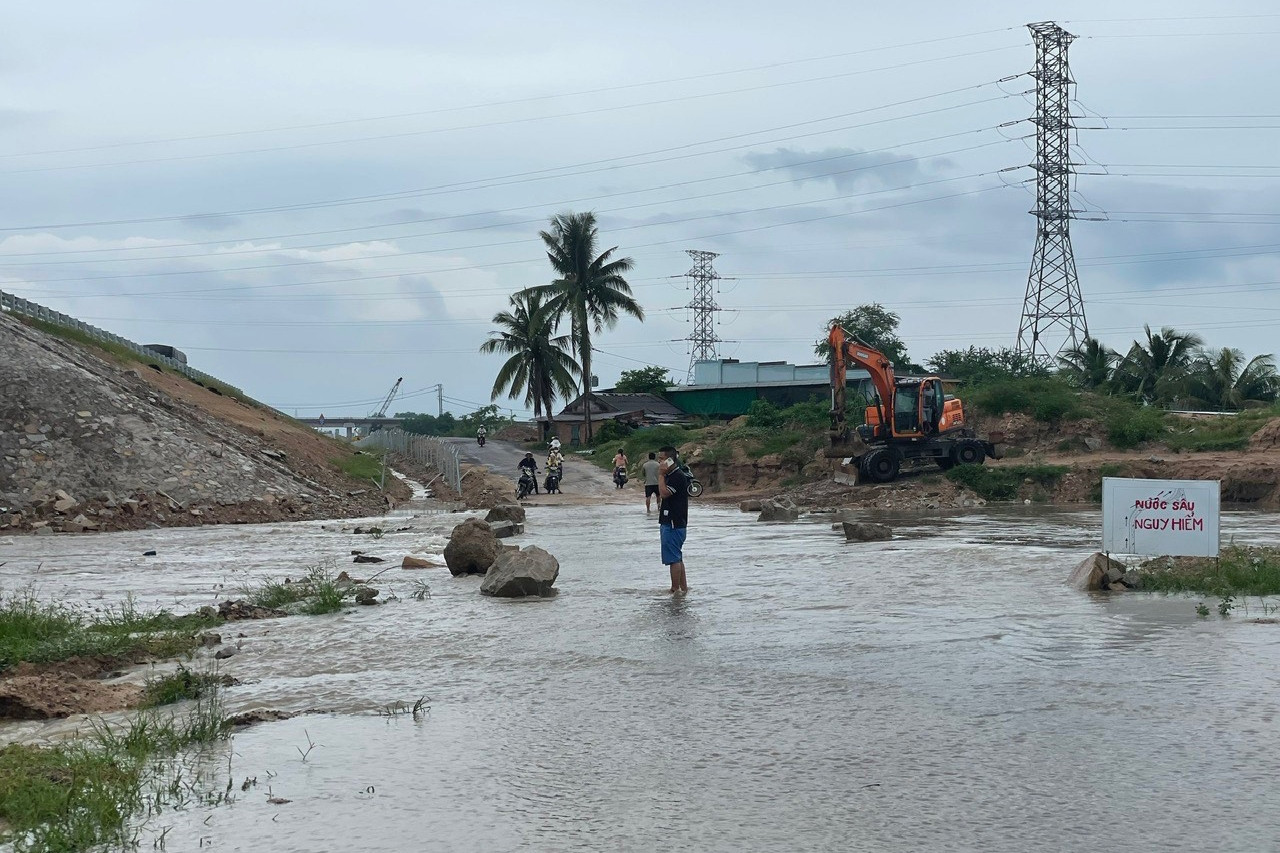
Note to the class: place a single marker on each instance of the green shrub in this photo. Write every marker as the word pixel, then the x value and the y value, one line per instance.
pixel 1045 398
pixel 1238 571
pixel 763 414
pixel 1130 427
pixel 610 432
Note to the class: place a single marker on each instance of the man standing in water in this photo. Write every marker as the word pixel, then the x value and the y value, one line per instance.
pixel 650 469
pixel 673 515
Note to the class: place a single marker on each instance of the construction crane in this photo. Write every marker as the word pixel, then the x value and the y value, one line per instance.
pixel 386 404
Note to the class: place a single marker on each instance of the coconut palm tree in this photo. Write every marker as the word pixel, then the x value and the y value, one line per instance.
pixel 590 288
pixel 1089 364
pixel 1220 379
pixel 1157 370
pixel 540 366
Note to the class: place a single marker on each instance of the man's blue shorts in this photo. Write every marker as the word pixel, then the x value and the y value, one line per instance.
pixel 672 544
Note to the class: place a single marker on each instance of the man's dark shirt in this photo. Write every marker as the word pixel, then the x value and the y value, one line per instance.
pixel 674 511
pixel 531 464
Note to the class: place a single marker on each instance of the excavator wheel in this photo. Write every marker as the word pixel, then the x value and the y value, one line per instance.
pixel 881 465
pixel 970 453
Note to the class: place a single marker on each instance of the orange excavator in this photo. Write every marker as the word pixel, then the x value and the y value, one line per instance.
pixel 908 419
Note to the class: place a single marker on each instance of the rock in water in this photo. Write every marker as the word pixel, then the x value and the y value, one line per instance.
pixel 505 529
pixel 1092 573
pixel 779 509
pixel 529 571
pixel 472 548
pixel 366 595
pixel 751 505
pixel 366 558
pixel 862 531
pixel 506 512
pixel 410 562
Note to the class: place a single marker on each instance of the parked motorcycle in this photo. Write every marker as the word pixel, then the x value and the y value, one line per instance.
pixel 524 486
pixel 552 483
pixel 694 488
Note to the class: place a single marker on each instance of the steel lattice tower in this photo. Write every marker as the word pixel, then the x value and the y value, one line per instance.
pixel 704 338
pixel 1053 308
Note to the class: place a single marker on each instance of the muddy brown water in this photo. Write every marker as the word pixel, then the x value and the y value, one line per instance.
pixel 944 691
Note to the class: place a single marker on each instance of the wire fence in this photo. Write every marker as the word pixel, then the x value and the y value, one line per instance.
pixel 428 450
pixel 27 308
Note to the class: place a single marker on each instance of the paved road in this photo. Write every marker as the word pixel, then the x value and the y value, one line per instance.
pixel 581 478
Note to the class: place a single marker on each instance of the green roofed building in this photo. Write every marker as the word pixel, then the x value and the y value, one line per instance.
pixel 727 387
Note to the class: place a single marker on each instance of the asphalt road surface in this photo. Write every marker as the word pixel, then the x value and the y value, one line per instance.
pixel 582 479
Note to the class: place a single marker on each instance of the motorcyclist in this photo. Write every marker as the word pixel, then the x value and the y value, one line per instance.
pixel 528 463
pixel 620 468
pixel 481 434
pixel 555 443
pixel 555 465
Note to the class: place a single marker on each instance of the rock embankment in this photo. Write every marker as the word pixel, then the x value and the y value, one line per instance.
pixel 87 443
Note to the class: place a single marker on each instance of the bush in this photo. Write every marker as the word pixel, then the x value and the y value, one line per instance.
pixel 1002 483
pixel 610 432
pixel 1048 398
pixel 763 414
pixel 1127 428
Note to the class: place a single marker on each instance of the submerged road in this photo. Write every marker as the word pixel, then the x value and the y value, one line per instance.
pixel 581 478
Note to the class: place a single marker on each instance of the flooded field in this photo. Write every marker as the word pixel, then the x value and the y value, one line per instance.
pixel 944 692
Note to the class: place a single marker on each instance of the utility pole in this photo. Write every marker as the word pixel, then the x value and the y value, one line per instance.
pixel 1053 310
pixel 439 399
pixel 703 338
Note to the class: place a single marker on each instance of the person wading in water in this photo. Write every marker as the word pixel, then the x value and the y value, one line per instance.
pixel 673 515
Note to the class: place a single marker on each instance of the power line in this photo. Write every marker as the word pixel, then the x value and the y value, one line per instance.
pixel 500 123
pixel 509 102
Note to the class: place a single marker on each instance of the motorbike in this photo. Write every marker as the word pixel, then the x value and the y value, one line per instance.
pixel 480 440
pixel 524 486
pixel 694 487
pixel 552 483
pixel 620 476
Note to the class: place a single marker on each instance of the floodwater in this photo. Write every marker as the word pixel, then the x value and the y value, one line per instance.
pixel 941 692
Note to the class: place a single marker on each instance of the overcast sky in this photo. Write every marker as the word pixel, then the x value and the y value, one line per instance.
pixel 313 204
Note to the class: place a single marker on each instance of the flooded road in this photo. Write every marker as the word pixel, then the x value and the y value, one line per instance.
pixel 944 691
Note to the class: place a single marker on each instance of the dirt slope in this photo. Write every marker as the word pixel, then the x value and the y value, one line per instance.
pixel 91 443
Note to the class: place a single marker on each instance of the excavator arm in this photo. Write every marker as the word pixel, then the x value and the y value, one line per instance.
pixel 846 350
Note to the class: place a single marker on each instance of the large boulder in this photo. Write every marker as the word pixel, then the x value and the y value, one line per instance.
pixel 506 512
pixel 1096 572
pixel 863 531
pixel 779 509
pixel 472 548
pixel 751 505
pixel 529 571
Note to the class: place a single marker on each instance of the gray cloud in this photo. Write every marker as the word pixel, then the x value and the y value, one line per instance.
pixel 846 169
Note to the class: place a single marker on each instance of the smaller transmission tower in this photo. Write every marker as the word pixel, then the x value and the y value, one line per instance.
pixel 1053 307
pixel 703 339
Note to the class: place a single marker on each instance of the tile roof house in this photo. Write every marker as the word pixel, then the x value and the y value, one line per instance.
pixel 631 409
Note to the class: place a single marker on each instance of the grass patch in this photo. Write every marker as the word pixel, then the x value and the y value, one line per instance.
pixel 43 632
pixel 80 795
pixel 1003 483
pixel 178 687
pixel 1229 432
pixel 314 595
pixel 1131 425
pixel 1239 571
pixel 361 465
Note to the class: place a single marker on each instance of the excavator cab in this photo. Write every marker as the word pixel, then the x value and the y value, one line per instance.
pixel 920 408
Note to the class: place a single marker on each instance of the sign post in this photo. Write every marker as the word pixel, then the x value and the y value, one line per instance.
pixel 1177 518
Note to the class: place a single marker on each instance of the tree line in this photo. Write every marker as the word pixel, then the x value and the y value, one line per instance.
pixel 589 293
pixel 1168 368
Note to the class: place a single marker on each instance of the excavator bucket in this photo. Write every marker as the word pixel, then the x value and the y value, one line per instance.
pixel 853 445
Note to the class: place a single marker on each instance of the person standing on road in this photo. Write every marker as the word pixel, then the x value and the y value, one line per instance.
pixel 673 515
pixel 650 469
